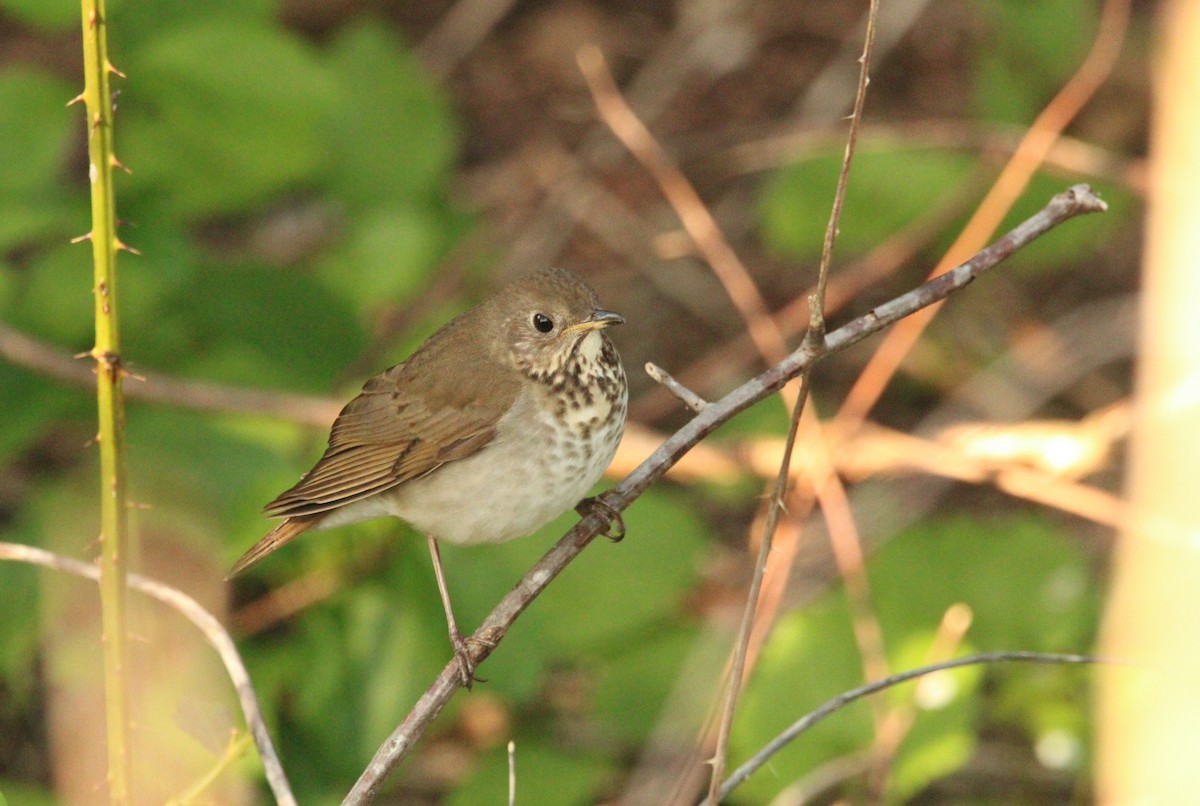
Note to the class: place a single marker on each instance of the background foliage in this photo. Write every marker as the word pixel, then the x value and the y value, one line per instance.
pixel 312 198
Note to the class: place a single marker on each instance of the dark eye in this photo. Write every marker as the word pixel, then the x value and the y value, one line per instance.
pixel 542 323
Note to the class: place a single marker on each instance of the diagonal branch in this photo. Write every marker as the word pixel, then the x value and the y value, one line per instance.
pixel 1075 201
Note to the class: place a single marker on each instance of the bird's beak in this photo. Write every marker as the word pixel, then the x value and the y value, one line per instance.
pixel 599 319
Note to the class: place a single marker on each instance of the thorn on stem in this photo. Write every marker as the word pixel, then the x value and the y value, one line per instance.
pixel 112 69
pixel 77 99
pixel 87 236
pixel 124 247
pixel 116 163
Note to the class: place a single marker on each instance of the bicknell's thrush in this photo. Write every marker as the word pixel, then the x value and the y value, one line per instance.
pixel 499 422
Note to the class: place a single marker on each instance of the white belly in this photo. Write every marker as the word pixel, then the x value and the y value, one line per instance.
pixel 522 480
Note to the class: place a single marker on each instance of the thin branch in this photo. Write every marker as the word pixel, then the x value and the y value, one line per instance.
pixel 737 668
pixel 689 398
pixel 816 328
pixel 1078 200
pixel 25 351
pixel 842 700
pixel 213 632
pixel 814 346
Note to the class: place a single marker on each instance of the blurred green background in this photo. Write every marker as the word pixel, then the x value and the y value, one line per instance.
pixel 316 187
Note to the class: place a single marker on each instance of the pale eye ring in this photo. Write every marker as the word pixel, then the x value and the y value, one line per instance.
pixel 542 323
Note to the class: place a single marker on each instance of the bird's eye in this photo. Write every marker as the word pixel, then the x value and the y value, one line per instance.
pixel 543 323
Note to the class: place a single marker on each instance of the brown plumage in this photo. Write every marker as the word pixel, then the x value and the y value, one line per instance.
pixel 499 422
pixel 444 404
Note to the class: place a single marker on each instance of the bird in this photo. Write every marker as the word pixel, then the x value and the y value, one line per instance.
pixel 499 422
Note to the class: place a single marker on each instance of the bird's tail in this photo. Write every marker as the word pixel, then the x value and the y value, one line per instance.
pixel 281 534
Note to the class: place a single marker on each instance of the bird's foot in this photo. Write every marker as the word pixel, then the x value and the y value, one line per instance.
pixel 616 524
pixel 466 658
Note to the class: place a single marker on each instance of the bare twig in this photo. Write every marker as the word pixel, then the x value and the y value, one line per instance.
pixel 690 399
pixel 1078 200
pixel 207 623
pixel 737 667
pixel 814 346
pixel 842 700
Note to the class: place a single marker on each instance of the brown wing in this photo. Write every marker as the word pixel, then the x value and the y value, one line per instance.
pixel 404 424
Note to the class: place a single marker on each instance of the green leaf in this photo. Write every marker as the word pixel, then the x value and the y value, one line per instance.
pixel 1031 48
pixel 1027 586
pixel 225 115
pixel 265 327
pixel 392 134
pixel 36 129
pixel 809 658
pixel 887 190
pixel 53 299
pixel 135 21
pixel 387 256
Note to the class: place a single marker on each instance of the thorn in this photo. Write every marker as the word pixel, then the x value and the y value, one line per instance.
pixel 96 121
pixel 128 374
pixel 112 69
pixel 77 99
pixel 138 505
pixel 93 441
pixel 124 247
pixel 86 354
pixel 87 236
pixel 116 163
pixel 92 20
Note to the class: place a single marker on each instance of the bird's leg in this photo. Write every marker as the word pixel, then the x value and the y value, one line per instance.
pixel 466 666
pixel 588 505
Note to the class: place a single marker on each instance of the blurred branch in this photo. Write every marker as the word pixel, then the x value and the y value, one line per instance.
pixel 683 198
pixel 25 351
pixel 208 625
pixel 1009 185
pixel 238 744
pixel 1076 201
pixel 459 31
pixel 793 144
pixel 839 702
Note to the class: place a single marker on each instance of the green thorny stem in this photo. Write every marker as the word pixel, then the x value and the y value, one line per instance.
pixel 114 541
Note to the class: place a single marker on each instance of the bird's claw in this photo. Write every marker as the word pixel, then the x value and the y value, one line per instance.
pixel 466 659
pixel 615 522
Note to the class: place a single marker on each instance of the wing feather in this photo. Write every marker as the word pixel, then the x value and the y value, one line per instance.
pixel 405 423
